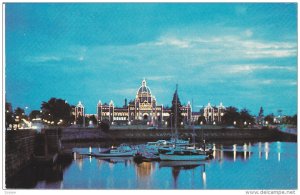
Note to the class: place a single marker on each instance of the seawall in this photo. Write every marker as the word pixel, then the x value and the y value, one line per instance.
pixel 19 150
pixel 84 134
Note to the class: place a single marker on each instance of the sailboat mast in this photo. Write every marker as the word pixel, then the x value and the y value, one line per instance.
pixel 176 133
pixel 193 123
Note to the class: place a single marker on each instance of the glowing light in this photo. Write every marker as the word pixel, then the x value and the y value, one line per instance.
pixel 267 150
pixel 90 149
pixel 278 150
pixel 234 152
pixel 204 179
pixel 245 151
pixel 249 150
pixel 259 150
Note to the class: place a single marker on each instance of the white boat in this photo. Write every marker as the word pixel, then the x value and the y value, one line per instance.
pixel 179 154
pixel 121 151
pixel 180 151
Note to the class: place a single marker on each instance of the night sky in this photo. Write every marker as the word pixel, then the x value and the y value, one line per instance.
pixel 242 55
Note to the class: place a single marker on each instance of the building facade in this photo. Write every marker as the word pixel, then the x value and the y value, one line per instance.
pixel 144 109
pixel 213 114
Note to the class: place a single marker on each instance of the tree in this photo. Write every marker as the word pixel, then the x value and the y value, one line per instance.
pixel 292 120
pixel 79 120
pixel 246 117
pixel 56 110
pixel 19 115
pixel 231 116
pixel 260 115
pixel 9 118
pixel 261 112
pixel 104 125
pixel 93 119
pixel 201 119
pixel 270 118
pixel 34 114
pixel 175 110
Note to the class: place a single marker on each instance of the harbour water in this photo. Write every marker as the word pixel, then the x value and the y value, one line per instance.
pixel 262 165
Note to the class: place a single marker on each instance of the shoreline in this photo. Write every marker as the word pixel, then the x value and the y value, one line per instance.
pixel 132 135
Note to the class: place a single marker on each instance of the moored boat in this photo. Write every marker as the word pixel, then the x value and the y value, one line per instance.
pixel 122 151
pixel 184 155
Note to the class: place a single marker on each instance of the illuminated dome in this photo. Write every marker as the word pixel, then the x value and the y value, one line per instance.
pixel 144 88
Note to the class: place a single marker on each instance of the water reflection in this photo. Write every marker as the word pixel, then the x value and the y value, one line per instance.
pixel 234 152
pixel 144 169
pixel 245 151
pixel 178 166
pixel 40 176
pixel 249 150
pixel 259 150
pixel 267 150
pixel 220 172
pixel 278 150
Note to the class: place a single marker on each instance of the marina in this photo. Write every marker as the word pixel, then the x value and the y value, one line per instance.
pixel 274 162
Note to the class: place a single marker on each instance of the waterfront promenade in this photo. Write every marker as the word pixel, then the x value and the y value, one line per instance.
pixel 209 134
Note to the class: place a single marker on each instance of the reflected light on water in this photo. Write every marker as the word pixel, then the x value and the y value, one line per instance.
pixel 90 149
pixel 245 151
pixel 267 150
pixel 74 155
pixel 61 185
pixel 249 149
pixel 221 153
pixel 111 165
pixel 125 173
pixel 204 179
pixel 259 150
pixel 144 169
pixel 90 159
pixel 214 151
pixel 279 150
pixel 80 164
pixel 234 152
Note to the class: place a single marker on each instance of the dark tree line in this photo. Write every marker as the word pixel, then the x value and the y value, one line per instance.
pixel 233 116
pixel 57 110
pixel 175 115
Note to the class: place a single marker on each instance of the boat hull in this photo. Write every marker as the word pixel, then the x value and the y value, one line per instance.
pixel 181 163
pixel 182 157
pixel 112 154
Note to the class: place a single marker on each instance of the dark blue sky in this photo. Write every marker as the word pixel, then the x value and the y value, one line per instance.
pixel 243 55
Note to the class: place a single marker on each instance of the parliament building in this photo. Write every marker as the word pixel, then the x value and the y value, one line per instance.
pixel 143 110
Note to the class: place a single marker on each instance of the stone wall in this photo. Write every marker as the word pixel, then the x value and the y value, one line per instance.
pixel 73 134
pixel 82 134
pixel 19 150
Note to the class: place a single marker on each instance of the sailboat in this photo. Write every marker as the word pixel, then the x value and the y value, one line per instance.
pixel 182 153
